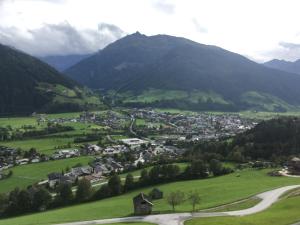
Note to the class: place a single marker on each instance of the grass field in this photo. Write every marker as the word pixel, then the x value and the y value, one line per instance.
pixel 29 174
pixel 213 191
pixel 132 223
pixel 43 145
pixel 284 212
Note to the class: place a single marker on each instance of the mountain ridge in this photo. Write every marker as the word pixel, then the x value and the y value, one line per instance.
pixel 138 63
pixel 287 66
pixel 29 85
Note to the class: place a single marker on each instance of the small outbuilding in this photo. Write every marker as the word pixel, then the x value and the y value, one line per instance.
pixel 142 204
pixel 156 194
pixel 294 165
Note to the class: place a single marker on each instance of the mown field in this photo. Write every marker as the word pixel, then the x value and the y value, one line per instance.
pixel 213 191
pixel 47 144
pixel 29 174
pixel 284 212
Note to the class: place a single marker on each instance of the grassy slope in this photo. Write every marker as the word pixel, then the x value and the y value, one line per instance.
pixel 285 212
pixel 49 143
pixel 214 191
pixel 28 174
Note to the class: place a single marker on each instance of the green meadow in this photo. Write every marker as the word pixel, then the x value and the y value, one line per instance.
pixel 214 192
pixel 284 212
pixel 29 174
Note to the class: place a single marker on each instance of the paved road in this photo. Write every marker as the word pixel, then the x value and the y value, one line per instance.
pixel 268 198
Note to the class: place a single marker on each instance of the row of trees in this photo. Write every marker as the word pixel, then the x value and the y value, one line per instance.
pixel 8 133
pixel 39 199
pixel 35 199
pixel 177 197
pixel 160 174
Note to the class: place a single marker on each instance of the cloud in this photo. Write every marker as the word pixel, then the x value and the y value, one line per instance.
pixel 60 39
pixel 285 50
pixel 199 28
pixel 289 45
pixel 164 6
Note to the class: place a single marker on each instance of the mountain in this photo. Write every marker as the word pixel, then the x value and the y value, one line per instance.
pixel 291 67
pixel 167 71
pixel 62 63
pixel 28 85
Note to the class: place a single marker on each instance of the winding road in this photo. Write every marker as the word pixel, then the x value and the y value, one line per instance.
pixel 268 198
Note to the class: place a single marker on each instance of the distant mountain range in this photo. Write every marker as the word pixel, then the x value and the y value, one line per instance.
pixel 167 71
pixel 62 63
pixel 28 85
pixel 292 67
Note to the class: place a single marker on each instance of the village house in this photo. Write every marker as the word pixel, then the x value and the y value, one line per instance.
pixel 53 179
pixel 142 205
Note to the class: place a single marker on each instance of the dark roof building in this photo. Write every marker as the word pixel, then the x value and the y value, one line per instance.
pixel 156 194
pixel 142 204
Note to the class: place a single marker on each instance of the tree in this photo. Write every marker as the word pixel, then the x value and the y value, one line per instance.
pixel 84 190
pixel 194 199
pixel 215 166
pixel 103 192
pixel 129 182
pixel 3 203
pixel 197 169
pixel 41 199
pixel 24 201
pixel 175 198
pixel 144 178
pixel 65 193
pixel 154 174
pixel 114 184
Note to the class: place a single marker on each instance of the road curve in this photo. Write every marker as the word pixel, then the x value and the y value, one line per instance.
pixel 268 198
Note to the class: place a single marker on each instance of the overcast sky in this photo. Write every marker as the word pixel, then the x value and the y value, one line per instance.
pixel 258 29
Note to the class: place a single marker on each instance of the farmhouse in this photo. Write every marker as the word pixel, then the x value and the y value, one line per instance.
pixel 142 204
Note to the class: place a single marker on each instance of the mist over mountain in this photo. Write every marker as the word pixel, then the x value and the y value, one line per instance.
pixel 62 63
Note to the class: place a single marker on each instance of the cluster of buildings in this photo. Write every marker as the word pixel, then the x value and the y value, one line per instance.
pixel 98 170
pixel 195 126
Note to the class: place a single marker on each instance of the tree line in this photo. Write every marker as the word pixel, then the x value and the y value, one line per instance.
pixel 37 198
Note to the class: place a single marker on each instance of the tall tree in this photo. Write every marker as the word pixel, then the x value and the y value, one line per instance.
pixel 194 199
pixel 41 199
pixel 115 185
pixel 216 167
pixel 129 182
pixel 175 198
pixel 65 193
pixel 144 178
pixel 84 190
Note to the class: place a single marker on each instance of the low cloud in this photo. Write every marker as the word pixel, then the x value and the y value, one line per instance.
pixel 199 28
pixel 60 39
pixel 289 45
pixel 165 6
pixel 285 50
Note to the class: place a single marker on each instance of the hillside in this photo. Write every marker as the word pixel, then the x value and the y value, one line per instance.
pixel 28 85
pixel 167 71
pixel 62 63
pixel 273 138
pixel 291 67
